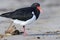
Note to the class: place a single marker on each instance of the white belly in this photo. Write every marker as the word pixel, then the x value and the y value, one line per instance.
pixel 25 22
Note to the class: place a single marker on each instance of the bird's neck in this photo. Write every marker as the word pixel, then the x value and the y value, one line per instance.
pixel 36 12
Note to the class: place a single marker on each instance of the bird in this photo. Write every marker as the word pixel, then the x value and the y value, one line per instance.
pixel 24 16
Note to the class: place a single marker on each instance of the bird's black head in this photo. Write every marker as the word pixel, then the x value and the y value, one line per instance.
pixel 36 5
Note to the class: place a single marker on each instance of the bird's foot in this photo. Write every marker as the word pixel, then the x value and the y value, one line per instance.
pixel 25 34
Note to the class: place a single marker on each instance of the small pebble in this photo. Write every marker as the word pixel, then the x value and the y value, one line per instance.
pixel 38 37
pixel 17 32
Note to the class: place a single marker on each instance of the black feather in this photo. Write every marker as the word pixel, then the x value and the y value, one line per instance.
pixel 20 14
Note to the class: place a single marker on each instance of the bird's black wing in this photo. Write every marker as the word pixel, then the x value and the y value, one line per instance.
pixel 20 14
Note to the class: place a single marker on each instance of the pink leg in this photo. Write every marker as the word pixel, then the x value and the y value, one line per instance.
pixel 24 31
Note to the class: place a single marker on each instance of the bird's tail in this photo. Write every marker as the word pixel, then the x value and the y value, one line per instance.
pixel 5 15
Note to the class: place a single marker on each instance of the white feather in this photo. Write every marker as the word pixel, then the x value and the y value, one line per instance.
pixel 25 22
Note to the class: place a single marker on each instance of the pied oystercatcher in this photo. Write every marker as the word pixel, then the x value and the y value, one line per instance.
pixel 24 16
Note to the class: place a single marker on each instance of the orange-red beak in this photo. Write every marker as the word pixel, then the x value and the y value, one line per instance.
pixel 39 8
